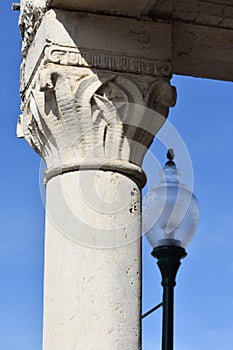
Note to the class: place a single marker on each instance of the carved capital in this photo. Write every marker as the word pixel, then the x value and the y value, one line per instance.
pixel 86 105
pixel 81 118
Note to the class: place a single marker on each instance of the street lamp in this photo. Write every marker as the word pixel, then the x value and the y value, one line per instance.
pixel 170 220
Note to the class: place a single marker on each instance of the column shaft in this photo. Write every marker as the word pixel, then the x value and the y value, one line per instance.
pixel 92 288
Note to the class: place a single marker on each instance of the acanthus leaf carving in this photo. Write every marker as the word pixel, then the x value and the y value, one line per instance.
pixel 78 117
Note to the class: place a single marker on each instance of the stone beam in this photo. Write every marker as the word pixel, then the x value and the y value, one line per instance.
pixel 202 51
pixel 145 46
pixel 202 36
pixel 130 8
pixel 122 7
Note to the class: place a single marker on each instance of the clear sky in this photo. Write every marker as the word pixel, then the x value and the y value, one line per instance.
pixel 203 116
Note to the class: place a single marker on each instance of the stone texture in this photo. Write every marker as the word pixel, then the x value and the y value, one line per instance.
pixel 203 52
pixel 126 7
pixel 31 14
pixel 78 117
pixel 197 14
pixel 102 35
pixel 79 91
pixel 92 287
pixel 95 91
pixel 201 31
pixel 197 11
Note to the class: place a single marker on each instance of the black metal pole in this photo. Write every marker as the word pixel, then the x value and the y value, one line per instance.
pixel 15 6
pixel 151 310
pixel 168 311
pixel 169 262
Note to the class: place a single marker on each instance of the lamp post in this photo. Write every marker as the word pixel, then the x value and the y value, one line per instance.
pixel 170 220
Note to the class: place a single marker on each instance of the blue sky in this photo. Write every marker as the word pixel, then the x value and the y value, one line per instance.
pixel 203 117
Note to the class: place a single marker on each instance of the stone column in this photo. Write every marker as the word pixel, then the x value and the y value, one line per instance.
pixel 95 91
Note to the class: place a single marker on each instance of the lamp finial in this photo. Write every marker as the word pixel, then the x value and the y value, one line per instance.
pixel 170 154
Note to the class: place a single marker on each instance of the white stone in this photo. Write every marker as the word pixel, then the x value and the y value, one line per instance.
pixel 92 290
pixel 76 119
pixel 193 26
pixel 121 37
pixel 95 91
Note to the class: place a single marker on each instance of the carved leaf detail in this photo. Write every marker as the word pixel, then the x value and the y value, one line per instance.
pixel 92 118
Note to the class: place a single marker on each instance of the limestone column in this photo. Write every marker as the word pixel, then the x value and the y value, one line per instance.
pixel 95 91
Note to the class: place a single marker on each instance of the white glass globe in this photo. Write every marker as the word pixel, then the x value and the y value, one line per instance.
pixel 170 211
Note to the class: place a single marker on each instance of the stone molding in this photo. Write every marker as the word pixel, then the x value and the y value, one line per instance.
pixel 81 57
pixel 103 60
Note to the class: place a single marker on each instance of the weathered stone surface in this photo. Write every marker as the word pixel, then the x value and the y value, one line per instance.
pixel 204 12
pixel 76 117
pixel 125 7
pixel 87 81
pixel 82 97
pixel 197 14
pixel 146 46
pixel 31 14
pixel 202 36
pixel 92 288
pixel 95 91
pixel 203 51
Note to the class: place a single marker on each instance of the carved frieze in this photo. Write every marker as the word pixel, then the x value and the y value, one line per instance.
pixel 104 60
pixel 74 57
